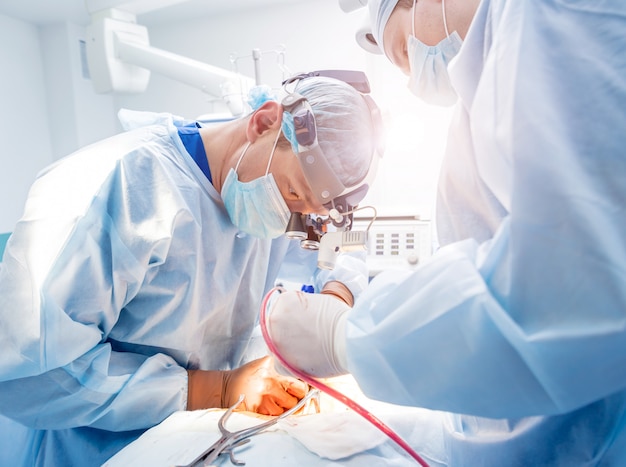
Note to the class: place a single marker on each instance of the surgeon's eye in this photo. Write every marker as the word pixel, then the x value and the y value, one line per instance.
pixel 293 193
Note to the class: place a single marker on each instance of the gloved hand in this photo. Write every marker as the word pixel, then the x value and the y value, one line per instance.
pixel 309 332
pixel 266 391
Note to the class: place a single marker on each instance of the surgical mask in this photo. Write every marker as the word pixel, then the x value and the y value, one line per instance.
pixel 429 78
pixel 256 207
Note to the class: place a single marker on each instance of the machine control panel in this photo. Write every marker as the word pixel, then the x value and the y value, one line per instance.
pixel 396 242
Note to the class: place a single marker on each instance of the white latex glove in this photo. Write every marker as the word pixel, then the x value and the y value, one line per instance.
pixel 309 331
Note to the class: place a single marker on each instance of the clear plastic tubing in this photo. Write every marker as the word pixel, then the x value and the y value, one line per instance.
pixel 330 391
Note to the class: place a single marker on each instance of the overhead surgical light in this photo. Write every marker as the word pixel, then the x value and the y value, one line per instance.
pixel 350 5
pixel 120 57
pixel 364 36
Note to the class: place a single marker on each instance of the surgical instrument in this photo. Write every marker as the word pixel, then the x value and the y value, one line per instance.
pixel 233 439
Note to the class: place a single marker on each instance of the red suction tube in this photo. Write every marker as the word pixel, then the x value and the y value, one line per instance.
pixel 330 391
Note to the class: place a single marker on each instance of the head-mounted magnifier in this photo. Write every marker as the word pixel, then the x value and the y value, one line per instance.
pixel 325 184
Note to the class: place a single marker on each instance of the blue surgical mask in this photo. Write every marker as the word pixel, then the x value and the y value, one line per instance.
pixel 256 207
pixel 429 78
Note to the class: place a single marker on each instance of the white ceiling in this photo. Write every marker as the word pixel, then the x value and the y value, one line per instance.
pixel 53 11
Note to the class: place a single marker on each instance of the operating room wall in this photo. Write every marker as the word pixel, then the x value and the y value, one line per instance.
pixel 24 130
pixel 49 108
pixel 314 35
pixel 77 116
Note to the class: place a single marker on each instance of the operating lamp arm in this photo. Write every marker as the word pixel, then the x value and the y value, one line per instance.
pixel 136 7
pixel 120 60
pixel 208 78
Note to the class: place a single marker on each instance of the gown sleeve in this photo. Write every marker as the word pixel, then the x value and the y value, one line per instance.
pixel 533 320
pixel 69 269
pixel 300 266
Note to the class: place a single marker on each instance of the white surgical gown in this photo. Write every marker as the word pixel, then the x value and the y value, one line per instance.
pixel 519 322
pixel 123 272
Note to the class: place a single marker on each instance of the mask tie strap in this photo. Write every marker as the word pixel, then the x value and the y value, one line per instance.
pixel 443 10
pixel 241 157
pixel 413 18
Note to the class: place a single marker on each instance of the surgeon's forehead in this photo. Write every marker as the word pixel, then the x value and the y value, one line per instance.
pixel 395 37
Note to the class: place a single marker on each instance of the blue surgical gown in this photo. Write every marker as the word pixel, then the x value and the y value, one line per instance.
pixel 124 272
pixel 517 326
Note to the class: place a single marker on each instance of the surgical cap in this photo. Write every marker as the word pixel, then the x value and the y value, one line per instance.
pixel 259 95
pixel 380 11
pixel 345 130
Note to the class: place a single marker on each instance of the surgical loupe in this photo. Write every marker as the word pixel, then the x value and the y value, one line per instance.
pixel 339 200
pixel 307 228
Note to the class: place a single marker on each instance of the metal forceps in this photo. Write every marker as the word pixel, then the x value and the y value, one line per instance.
pixel 234 439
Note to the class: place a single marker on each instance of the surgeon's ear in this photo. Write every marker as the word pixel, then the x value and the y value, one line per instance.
pixel 267 117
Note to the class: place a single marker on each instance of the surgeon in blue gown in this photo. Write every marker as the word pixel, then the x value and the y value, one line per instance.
pixel 517 325
pixel 131 286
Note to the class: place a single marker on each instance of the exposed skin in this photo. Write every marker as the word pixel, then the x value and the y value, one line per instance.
pixel 224 145
pixel 429 25
pixel 266 391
